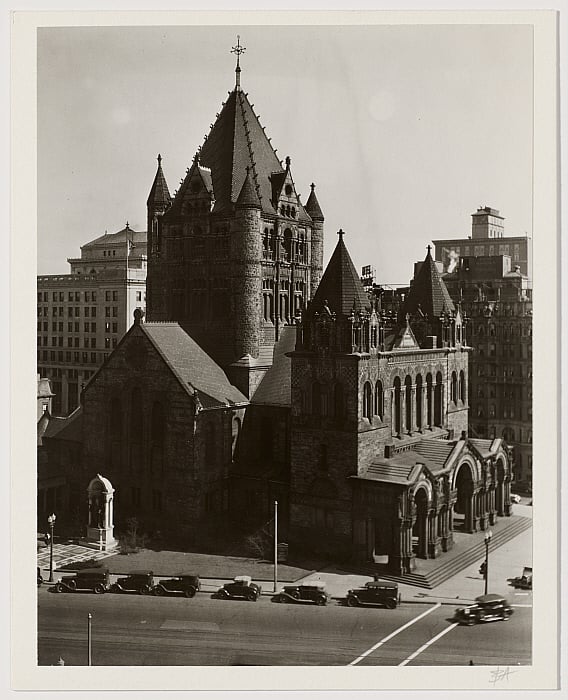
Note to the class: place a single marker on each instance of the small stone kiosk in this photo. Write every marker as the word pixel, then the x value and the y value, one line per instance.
pixel 101 506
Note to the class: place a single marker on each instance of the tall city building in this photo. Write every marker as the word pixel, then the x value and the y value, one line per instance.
pixel 82 315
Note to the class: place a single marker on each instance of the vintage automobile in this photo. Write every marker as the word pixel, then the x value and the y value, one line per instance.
pixel 515 498
pixel 524 581
pixel 487 608
pixel 307 592
pixel 184 584
pixel 378 592
pixel 39 577
pixel 136 582
pixel 96 580
pixel 240 587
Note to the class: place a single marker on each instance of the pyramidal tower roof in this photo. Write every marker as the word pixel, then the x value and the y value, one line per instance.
pixel 312 205
pixel 248 197
pixel 340 287
pixel 429 291
pixel 159 194
pixel 237 141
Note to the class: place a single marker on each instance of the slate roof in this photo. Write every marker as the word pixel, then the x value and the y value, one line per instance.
pixel 404 467
pixel 192 365
pixel 340 285
pixel 69 428
pixel 44 388
pixel 429 291
pixel 482 446
pixel 236 140
pixel 159 194
pixel 312 205
pixel 248 197
pixel 275 387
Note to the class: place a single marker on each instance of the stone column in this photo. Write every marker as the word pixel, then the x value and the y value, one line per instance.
pixel 492 505
pixel 469 513
pixel 483 510
pixel 433 539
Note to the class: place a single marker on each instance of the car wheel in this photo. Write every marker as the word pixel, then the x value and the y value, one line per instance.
pixel 99 588
pixel 391 604
pixel 189 592
pixel 352 602
pixel 281 599
pixel 159 590
pixel 251 596
pixel 72 586
pixel 60 588
pixel 321 601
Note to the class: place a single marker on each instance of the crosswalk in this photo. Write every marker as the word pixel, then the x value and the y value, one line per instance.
pixel 64 554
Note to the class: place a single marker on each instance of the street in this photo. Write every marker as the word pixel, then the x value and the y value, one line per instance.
pixel 144 630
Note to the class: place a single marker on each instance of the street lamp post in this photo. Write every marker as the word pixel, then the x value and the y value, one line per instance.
pixel 487 538
pixel 89 642
pixel 51 521
pixel 275 545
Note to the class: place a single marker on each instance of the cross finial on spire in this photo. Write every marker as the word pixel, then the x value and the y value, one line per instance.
pixel 127 226
pixel 159 159
pixel 429 248
pixel 238 50
pixel 341 233
pixel 313 186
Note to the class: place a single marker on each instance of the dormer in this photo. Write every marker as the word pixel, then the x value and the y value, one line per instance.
pixel 285 199
pixel 195 196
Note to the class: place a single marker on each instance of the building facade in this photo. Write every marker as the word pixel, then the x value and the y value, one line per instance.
pixel 81 316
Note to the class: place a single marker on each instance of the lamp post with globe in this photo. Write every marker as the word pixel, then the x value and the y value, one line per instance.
pixel 51 521
pixel 487 538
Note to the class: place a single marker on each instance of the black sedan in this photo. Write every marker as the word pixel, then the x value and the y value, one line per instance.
pixel 184 584
pixel 136 582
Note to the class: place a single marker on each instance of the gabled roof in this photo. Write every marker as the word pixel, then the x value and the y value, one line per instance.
pixel 69 428
pixel 195 370
pixel 312 205
pixel 428 292
pixel 236 140
pixel 159 194
pixel 340 285
pixel 275 387
pixel 405 338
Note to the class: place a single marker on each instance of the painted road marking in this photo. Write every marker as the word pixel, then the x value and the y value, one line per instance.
pixel 520 605
pixel 393 634
pixel 522 593
pixel 425 646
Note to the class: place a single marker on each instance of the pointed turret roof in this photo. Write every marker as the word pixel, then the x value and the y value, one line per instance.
pixel 312 205
pixel 248 197
pixel 159 194
pixel 428 291
pixel 237 140
pixel 340 287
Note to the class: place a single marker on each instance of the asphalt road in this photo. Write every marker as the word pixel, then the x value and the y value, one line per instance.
pixel 144 630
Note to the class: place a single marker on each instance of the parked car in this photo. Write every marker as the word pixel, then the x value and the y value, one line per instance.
pixel 185 584
pixel 515 498
pixel 524 581
pixel 96 580
pixel 136 582
pixel 487 608
pixel 308 592
pixel 240 587
pixel 378 592
pixel 39 577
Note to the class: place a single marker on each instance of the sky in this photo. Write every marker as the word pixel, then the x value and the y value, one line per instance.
pixel 405 130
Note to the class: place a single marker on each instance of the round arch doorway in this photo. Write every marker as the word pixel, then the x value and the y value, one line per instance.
pixel 463 508
pixel 420 524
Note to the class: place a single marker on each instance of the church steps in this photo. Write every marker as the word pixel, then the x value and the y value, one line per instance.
pixel 449 565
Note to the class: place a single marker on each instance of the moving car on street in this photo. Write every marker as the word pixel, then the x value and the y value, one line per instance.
pixel 379 592
pixel 515 498
pixel 240 587
pixel 136 582
pixel 183 584
pixel 524 581
pixel 307 592
pixel 487 608
pixel 96 580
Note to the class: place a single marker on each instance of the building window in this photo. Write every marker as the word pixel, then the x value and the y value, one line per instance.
pixel 115 311
pixel 107 311
pixel 107 342
pixel 107 296
pixel 379 400
pixel 138 296
pixel 115 296
pixel 367 401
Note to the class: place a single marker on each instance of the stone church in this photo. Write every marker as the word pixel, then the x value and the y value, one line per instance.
pixel 258 376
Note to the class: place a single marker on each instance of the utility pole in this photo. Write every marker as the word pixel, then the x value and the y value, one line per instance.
pixel 275 545
pixel 89 656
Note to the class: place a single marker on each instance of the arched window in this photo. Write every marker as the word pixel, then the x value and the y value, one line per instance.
pixel 338 401
pixel 454 387
pixel 379 400
pixel 367 401
pixel 316 398
pixel 438 401
pixel 429 400
pixel 408 402
pixel 287 245
pixel 461 388
pixel 210 447
pixel 157 437
pixel 135 430
pixel 419 401
pixel 397 407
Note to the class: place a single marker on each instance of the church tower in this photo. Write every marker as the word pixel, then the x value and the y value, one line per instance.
pixel 364 386
pixel 238 254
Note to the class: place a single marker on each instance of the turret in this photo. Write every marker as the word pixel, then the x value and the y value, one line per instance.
pixel 157 204
pixel 314 210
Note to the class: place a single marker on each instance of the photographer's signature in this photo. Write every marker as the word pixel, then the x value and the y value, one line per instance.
pixel 500 674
